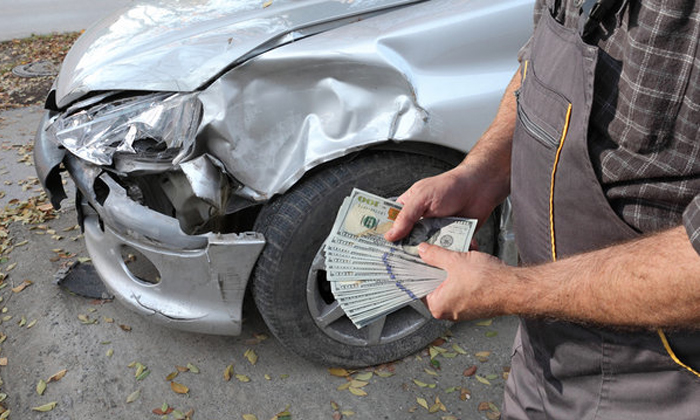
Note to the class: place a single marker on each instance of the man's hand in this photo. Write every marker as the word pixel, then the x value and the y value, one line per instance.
pixel 476 284
pixel 439 196
pixel 472 189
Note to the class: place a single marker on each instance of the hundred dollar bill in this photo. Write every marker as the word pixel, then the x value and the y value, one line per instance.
pixel 371 277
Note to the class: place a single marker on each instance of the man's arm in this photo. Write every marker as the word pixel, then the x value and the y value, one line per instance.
pixel 649 282
pixel 473 188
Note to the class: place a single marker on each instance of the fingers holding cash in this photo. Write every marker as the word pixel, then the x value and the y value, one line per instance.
pixel 371 276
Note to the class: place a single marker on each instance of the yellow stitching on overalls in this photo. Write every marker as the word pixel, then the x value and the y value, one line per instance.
pixel 551 185
pixel 525 69
pixel 671 353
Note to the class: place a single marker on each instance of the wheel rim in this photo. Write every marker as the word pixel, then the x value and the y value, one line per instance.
pixel 331 319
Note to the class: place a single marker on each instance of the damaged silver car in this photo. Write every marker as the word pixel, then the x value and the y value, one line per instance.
pixel 215 140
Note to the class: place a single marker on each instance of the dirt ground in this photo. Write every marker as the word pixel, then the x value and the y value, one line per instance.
pixel 18 91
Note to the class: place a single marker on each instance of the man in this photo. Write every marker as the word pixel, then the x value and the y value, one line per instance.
pixel 600 152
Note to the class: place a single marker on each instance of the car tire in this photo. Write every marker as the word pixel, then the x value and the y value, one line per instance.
pixel 289 284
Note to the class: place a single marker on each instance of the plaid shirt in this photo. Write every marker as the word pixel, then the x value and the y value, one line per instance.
pixel 644 132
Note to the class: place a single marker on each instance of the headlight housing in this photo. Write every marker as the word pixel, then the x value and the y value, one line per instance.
pixel 159 126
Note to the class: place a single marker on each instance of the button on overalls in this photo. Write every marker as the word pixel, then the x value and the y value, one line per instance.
pixel 565 370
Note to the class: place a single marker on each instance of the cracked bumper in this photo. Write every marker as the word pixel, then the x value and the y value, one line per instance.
pixel 200 290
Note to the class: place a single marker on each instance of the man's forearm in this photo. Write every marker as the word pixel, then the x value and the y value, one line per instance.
pixel 650 282
pixel 493 150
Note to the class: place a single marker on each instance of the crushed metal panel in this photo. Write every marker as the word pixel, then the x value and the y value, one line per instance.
pixel 275 117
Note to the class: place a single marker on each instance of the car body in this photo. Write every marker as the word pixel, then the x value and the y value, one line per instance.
pixel 188 128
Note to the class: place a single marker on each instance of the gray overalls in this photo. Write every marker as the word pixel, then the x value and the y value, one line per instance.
pixel 564 370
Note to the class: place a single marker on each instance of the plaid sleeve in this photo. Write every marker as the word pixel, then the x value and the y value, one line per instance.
pixel 691 220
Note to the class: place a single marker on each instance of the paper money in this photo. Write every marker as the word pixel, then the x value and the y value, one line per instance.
pixel 371 277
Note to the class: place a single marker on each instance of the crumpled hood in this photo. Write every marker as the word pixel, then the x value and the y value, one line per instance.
pixel 182 45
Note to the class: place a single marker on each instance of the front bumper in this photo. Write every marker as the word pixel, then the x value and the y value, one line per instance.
pixel 200 290
pixel 201 279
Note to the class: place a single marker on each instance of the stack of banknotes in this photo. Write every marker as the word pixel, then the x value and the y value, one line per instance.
pixel 371 277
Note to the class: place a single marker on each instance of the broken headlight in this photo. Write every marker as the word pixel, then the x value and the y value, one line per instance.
pixel 159 126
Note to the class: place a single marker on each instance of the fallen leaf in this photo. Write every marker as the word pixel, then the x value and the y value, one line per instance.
pixel 491 334
pixel 192 368
pixel 143 375
pixel 41 387
pixel 357 391
pixel 140 368
pixel 46 407
pixel 58 375
pixel 438 342
pixel 182 368
pixel 430 372
pixel 440 404
pixel 493 416
pixel 465 394
pixel 422 402
pixel 366 376
pixel 242 378
pixel 420 383
pixel 485 323
pixel 268 3
pixel 251 356
pixel 482 380
pixel 492 377
pixel 228 372
pixel 470 371
pixel 483 356
pixel 284 415
pixel 179 388
pixel 133 396
pixel 3 361
pixel 172 376
pixel 340 372
pixel 358 384
pixel 458 349
pixel 178 415
pixel 22 286
pixel 250 417
pixel 125 327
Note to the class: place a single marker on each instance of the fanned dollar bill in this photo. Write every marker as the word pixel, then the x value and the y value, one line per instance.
pixel 371 277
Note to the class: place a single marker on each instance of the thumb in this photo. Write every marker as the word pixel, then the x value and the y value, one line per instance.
pixel 435 255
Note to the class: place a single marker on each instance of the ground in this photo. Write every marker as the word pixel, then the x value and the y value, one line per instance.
pixel 21 91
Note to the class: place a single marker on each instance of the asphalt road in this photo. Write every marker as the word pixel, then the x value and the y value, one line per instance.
pixel 19 19
pixel 47 330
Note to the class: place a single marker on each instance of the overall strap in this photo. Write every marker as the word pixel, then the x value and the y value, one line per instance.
pixel 592 14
